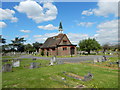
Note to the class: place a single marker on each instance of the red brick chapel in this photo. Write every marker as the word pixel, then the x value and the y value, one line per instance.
pixel 59 45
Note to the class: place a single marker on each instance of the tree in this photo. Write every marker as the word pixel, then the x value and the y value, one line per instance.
pixel 29 48
pixel 115 47
pixel 106 47
pixel 42 53
pixel 21 48
pixel 37 45
pixel 18 43
pixel 89 44
pixel 2 40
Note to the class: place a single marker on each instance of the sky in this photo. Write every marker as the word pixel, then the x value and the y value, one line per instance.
pixel 36 21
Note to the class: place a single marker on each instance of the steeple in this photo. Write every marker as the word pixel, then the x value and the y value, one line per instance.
pixel 60 28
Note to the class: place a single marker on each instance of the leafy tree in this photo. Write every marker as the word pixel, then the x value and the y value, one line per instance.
pixel 29 48
pixel 2 40
pixel 42 52
pixel 21 48
pixel 115 47
pixel 106 47
pixel 89 44
pixel 37 45
pixel 18 43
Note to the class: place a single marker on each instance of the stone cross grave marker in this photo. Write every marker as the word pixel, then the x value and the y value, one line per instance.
pixel 16 63
pixel 7 67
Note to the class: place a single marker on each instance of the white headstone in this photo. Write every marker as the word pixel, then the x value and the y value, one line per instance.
pixel 95 60
pixel 16 64
pixel 54 59
pixel 110 53
pixel 51 61
pixel 100 59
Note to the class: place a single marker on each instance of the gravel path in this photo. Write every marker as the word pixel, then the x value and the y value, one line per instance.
pixel 70 59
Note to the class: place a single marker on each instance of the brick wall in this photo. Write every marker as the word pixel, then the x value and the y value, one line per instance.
pixel 62 52
pixel 59 51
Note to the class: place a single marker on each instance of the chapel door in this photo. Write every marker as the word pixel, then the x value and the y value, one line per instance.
pixel 72 50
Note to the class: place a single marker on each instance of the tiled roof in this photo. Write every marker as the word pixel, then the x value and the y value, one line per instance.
pixel 53 41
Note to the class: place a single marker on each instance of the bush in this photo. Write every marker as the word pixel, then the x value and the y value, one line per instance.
pixel 42 53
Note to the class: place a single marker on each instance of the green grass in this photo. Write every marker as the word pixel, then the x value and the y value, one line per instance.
pixel 107 63
pixel 50 76
pixel 13 56
pixel 8 57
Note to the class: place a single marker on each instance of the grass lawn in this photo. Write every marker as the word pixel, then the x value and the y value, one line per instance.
pixel 50 76
pixel 13 56
pixel 8 57
pixel 57 56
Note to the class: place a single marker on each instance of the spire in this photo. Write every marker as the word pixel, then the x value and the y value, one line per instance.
pixel 60 28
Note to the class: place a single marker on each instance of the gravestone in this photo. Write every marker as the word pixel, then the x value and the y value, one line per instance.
pixel 111 54
pixel 7 67
pixel 88 77
pixel 60 62
pixel 119 63
pixel 16 63
pixel 4 60
pixel 63 78
pixel 34 65
pixel 100 59
pixel 95 60
pixel 51 62
pixel 53 59
pixel 34 59
pixel 104 58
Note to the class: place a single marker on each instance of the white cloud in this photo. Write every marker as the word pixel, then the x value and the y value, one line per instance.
pixel 25 31
pixel 86 24
pixel 42 38
pixel 87 12
pixel 36 36
pixel 2 24
pixel 108 32
pixel 25 36
pixel 7 14
pixel 74 37
pixel 48 27
pixel 37 12
pixel 104 8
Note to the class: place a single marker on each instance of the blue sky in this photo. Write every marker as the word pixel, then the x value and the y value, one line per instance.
pixel 80 20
